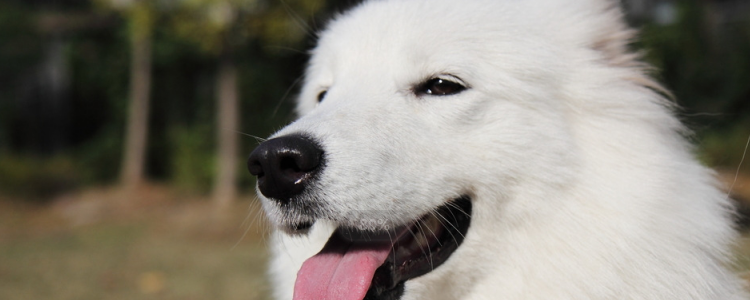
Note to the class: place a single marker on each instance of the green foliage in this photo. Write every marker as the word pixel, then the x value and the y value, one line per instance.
pixel 704 61
pixel 98 159
pixel 214 25
pixel 192 157
pixel 19 49
pixel 141 15
pixel 141 18
pixel 284 24
pixel 210 23
pixel 99 64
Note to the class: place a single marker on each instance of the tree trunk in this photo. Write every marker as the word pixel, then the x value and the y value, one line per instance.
pixel 225 188
pixel 137 127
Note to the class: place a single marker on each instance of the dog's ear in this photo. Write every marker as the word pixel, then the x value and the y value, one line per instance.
pixel 612 37
pixel 598 25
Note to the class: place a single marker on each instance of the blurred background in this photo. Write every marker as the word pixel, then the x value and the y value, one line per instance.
pixel 124 126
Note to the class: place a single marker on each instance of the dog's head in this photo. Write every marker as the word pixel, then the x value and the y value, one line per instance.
pixel 411 109
pixel 404 110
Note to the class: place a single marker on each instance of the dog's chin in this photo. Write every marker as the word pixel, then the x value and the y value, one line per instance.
pixel 295 226
pixel 407 251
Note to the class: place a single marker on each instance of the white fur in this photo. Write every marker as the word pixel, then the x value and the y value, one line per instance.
pixel 582 183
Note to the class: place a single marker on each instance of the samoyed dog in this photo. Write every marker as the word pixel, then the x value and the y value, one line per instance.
pixel 488 149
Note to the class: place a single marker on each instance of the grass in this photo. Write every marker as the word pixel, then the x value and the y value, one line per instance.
pixel 177 251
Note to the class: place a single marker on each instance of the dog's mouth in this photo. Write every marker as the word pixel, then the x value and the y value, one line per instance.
pixel 357 264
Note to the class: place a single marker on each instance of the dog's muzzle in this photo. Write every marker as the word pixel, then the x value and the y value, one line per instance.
pixel 285 166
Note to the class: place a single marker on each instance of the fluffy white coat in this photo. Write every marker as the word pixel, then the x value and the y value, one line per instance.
pixel 582 182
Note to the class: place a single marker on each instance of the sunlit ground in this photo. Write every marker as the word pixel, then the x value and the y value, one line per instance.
pixel 102 244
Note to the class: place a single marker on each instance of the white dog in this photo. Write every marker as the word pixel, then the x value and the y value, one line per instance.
pixel 488 149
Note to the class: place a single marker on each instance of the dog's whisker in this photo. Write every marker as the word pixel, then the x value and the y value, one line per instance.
pixel 257 138
pixel 286 94
pixel 443 222
pixel 392 252
pixel 298 20
pixel 260 222
pixel 451 224
pixel 432 212
pixel 424 235
pixel 416 238
pixel 248 224
pixel 458 208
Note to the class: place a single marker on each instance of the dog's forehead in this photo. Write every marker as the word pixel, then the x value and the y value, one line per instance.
pixel 401 36
pixel 376 36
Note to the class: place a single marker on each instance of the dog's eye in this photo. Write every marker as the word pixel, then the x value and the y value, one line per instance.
pixel 321 96
pixel 439 87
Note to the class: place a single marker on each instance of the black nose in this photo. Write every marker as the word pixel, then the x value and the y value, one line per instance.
pixel 285 165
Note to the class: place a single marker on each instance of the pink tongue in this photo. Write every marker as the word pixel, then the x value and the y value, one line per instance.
pixel 341 271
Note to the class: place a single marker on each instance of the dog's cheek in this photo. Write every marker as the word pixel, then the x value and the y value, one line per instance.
pixel 507 142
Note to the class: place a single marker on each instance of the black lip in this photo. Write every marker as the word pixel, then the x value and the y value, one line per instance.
pixel 389 279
